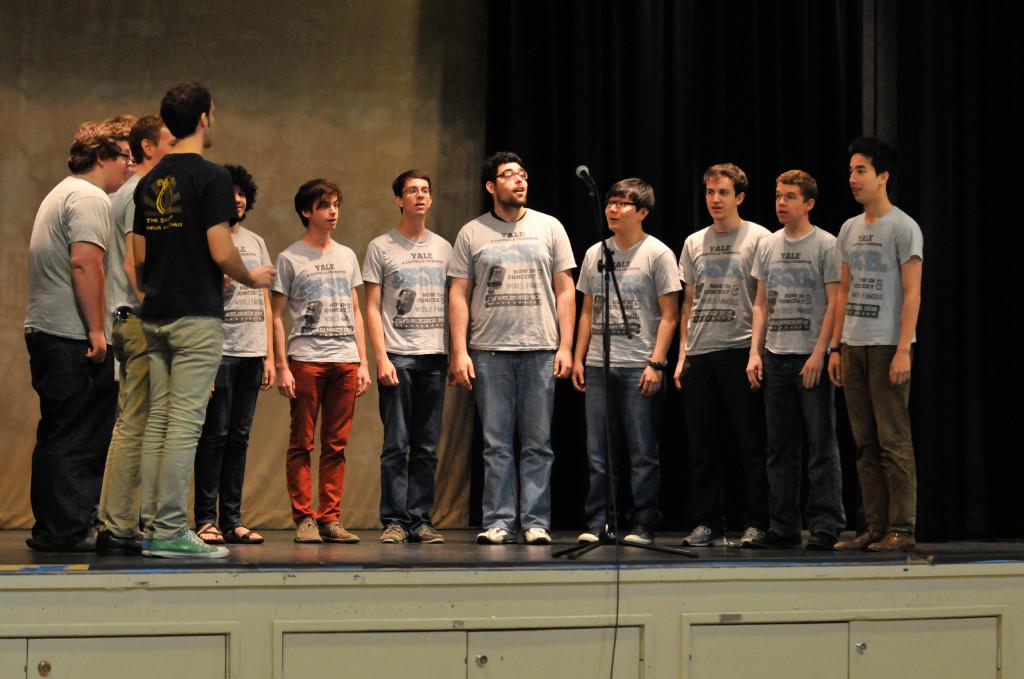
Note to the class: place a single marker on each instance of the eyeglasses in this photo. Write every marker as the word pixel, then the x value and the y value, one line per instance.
pixel 127 157
pixel 510 175
pixel 617 204
pixel 412 190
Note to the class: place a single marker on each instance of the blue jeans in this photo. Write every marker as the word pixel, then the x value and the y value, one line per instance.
pixel 796 416
pixel 77 406
pixel 632 423
pixel 221 452
pixel 515 391
pixel 411 414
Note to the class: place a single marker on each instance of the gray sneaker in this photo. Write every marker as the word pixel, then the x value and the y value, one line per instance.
pixel 393 534
pixel 307 531
pixel 426 534
pixel 702 536
pixel 750 535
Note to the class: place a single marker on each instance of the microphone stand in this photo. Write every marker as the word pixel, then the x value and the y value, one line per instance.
pixel 606 266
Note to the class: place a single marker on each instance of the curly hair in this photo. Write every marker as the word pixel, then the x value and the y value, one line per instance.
pixel 96 141
pixel 241 178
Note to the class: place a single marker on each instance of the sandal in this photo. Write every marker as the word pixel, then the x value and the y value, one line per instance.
pixel 210 534
pixel 246 537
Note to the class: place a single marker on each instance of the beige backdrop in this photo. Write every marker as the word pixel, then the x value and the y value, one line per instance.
pixel 355 91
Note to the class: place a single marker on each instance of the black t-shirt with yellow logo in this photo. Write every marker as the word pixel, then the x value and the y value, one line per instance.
pixel 175 204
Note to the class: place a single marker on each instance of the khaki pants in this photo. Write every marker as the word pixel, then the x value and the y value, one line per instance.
pixel 880 422
pixel 119 500
pixel 183 358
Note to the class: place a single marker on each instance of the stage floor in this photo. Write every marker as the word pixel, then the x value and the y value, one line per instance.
pixel 460 551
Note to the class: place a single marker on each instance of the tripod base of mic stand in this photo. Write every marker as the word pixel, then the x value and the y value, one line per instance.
pixel 609 539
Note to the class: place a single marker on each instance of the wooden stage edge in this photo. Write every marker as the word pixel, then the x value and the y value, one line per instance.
pixel 282 610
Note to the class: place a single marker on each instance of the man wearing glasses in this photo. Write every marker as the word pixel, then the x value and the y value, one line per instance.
pixel 404 273
pixel 66 336
pixel 512 308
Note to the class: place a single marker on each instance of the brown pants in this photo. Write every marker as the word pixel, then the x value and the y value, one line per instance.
pixel 880 422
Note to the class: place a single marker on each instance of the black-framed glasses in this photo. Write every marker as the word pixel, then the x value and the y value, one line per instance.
pixel 618 204
pixel 413 190
pixel 127 157
pixel 510 175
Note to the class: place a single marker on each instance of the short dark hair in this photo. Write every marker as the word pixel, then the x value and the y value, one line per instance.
pixel 636 190
pixel 146 128
pixel 807 184
pixel 94 141
pixel 241 178
pixel 496 160
pixel 182 107
pixel 740 184
pixel 311 192
pixel 398 185
pixel 882 156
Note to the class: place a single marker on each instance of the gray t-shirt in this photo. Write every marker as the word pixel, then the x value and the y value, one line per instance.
pixel 645 272
pixel 319 287
pixel 75 211
pixel 122 218
pixel 718 266
pixel 413 300
pixel 794 273
pixel 245 320
pixel 511 265
pixel 874 253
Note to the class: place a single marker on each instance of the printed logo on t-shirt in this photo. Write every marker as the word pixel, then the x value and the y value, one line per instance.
pixel 327 311
pixel 514 273
pixel 162 205
pixel 419 303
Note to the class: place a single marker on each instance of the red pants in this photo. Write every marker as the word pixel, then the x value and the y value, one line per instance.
pixel 329 388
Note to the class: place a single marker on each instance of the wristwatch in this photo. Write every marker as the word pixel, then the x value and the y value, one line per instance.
pixel 836 349
pixel 658 366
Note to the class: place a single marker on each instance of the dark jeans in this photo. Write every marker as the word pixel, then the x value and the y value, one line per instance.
pixel 796 416
pixel 632 422
pixel 77 406
pixel 718 399
pixel 411 413
pixel 220 454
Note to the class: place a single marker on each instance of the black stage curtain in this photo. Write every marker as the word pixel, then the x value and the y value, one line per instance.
pixel 661 90
pixel 959 135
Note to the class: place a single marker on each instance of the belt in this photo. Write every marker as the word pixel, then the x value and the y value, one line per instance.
pixel 123 313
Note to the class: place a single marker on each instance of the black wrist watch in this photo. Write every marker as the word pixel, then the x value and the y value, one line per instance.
pixel 660 367
pixel 836 350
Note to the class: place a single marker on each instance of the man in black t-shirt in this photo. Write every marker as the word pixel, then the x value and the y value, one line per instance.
pixel 183 249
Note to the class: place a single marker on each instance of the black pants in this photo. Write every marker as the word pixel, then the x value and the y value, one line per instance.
pixel 77 406
pixel 718 401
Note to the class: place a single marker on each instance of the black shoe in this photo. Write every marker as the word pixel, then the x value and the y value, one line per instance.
pixel 85 545
pixel 110 544
pixel 822 541
pixel 773 540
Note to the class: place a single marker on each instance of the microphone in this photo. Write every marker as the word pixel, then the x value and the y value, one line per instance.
pixel 583 172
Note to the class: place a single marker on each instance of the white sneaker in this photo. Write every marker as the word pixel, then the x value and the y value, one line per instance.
pixel 537 536
pixel 751 534
pixel 587 537
pixel 495 535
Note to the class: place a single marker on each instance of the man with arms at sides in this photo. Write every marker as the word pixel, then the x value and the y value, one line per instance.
pixel 149 141
pixel 404 271
pixel 246 367
pixel 512 308
pixel 72 371
pixel 630 403
pixel 183 208
pixel 323 369
pixel 882 253
pixel 714 347
pixel 797 275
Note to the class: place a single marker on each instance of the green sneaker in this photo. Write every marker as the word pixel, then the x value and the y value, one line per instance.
pixel 185 545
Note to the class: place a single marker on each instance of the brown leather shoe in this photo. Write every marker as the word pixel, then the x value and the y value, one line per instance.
pixel 335 532
pixel 858 543
pixel 894 541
